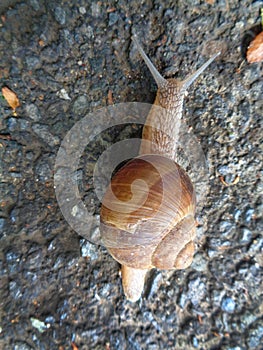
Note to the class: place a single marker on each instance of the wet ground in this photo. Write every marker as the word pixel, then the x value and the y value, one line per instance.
pixel 63 60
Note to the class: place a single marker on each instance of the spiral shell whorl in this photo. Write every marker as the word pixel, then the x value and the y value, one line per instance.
pixel 154 233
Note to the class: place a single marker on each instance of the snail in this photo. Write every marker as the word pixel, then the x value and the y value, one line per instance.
pixel 160 232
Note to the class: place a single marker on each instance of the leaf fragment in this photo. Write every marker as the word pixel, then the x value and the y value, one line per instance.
pixel 10 97
pixel 255 49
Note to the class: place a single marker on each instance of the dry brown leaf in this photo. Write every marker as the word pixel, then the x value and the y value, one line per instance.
pixel 74 346
pixel 255 49
pixel 10 97
pixel 110 97
pixel 111 9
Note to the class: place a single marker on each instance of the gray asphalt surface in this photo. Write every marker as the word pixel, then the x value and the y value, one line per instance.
pixel 58 290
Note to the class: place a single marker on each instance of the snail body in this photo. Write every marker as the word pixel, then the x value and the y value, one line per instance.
pixel 147 213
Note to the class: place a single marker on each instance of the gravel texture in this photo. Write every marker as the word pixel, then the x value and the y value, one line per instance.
pixel 61 58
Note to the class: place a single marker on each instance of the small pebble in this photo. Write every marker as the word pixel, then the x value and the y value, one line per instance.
pixel 60 15
pixel 39 325
pixel 43 132
pixel 113 18
pixel 22 346
pixel 246 236
pixel 80 105
pixel 82 10
pixel 33 62
pixel 63 94
pixel 228 305
pixel 88 249
pixel 248 215
pixel 33 112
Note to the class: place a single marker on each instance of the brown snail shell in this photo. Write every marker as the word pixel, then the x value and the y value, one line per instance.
pixel 159 229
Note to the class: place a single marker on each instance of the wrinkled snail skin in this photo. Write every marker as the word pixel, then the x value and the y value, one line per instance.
pixel 159 233
pixel 133 282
